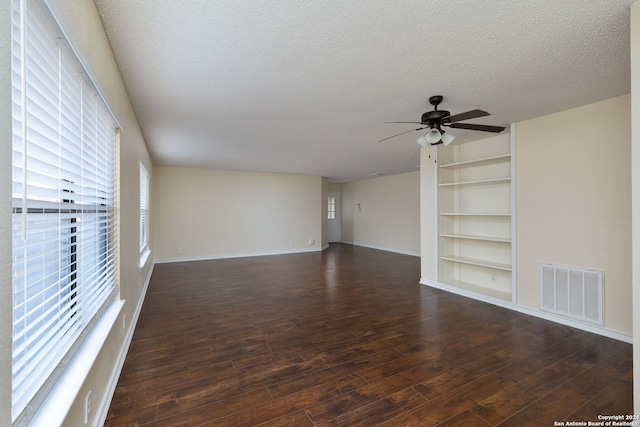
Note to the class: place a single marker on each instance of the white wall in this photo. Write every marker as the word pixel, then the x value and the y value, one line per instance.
pixel 428 215
pixel 83 20
pixel 325 212
pixel 217 213
pixel 635 159
pixel 390 213
pixel 573 200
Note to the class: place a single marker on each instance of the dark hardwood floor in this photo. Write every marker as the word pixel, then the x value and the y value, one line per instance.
pixel 347 337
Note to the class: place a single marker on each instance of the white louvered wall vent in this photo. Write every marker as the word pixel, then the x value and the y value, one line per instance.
pixel 572 292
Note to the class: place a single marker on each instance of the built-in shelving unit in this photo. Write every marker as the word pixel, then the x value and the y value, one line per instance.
pixel 475 217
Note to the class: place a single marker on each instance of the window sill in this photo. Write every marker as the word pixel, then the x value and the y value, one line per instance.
pixel 144 256
pixel 55 408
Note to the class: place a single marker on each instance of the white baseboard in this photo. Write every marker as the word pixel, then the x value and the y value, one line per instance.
pixel 239 255
pixel 103 409
pixel 380 248
pixel 531 312
pixel 467 293
pixel 578 325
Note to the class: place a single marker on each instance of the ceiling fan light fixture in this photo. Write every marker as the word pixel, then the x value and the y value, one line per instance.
pixel 422 141
pixel 433 136
pixel 447 138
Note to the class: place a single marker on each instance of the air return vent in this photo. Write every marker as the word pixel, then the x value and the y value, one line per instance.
pixel 572 292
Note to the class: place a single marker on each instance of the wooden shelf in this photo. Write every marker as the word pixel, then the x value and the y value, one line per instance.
pixel 483 238
pixel 479 162
pixel 496 214
pixel 477 262
pixel 479 289
pixel 477 182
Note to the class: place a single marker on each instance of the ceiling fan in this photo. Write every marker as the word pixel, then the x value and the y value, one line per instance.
pixel 436 119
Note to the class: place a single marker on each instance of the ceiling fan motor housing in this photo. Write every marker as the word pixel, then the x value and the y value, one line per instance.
pixel 434 118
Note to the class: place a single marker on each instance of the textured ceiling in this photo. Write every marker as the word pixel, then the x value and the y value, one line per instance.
pixel 306 86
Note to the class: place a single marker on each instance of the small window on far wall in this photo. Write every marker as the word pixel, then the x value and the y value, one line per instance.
pixel 331 207
pixel 144 209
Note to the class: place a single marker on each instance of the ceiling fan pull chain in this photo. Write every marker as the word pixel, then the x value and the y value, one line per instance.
pixel 434 157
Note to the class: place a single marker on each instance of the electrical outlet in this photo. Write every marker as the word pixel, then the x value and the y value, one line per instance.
pixel 494 278
pixel 312 241
pixel 179 250
pixel 87 408
pixel 124 321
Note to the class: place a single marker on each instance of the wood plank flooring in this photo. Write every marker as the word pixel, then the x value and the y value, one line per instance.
pixel 347 337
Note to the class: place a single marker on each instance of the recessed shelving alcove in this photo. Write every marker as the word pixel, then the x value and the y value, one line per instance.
pixel 475 217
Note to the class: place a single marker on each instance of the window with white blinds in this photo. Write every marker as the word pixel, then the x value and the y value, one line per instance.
pixel 144 208
pixel 63 235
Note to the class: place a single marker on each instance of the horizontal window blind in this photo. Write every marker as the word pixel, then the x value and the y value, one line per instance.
pixel 63 235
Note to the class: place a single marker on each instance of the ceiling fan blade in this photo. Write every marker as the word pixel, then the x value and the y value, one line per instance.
pixel 401 133
pixel 473 114
pixel 471 126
